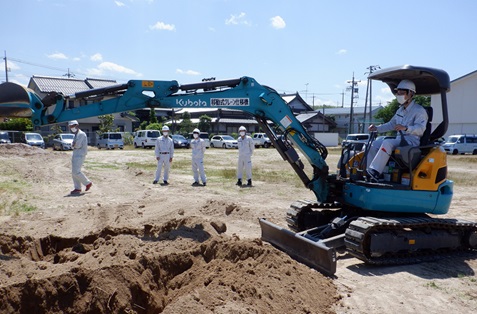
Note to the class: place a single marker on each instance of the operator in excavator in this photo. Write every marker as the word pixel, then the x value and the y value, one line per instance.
pixel 410 121
pixel 245 147
pixel 164 151
pixel 80 149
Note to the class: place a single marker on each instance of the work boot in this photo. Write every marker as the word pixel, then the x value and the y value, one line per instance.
pixel 249 182
pixel 204 183
pixel 239 182
pixel 166 183
pixel 154 182
pixel 195 183
pixel 373 175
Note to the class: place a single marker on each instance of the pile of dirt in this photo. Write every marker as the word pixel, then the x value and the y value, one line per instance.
pixel 181 266
pixel 20 149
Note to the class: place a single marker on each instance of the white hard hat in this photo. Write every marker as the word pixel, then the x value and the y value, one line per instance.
pixel 407 84
pixel 242 128
pixel 196 131
pixel 72 122
pixel 165 128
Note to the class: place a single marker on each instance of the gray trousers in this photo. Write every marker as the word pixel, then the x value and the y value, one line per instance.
pixel 244 162
pixel 198 169
pixel 78 176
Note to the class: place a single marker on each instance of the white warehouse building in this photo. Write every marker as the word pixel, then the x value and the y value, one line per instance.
pixel 461 103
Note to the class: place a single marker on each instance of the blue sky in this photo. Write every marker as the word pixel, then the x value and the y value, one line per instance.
pixel 309 46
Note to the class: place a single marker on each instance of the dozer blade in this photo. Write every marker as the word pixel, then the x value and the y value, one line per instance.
pixel 313 254
pixel 14 101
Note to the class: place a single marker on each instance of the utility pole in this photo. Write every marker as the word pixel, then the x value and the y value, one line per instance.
pixel 369 87
pixel 69 74
pixel 306 92
pixel 353 90
pixel 6 67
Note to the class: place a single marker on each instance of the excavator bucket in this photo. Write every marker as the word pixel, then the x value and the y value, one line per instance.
pixel 314 254
pixel 14 101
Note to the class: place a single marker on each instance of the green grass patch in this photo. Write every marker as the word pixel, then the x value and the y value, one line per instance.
pixel 101 165
pixel 461 179
pixel 16 207
pixel 142 165
pixel 432 285
pixel 13 186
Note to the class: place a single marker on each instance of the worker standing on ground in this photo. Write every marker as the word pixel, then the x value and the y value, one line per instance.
pixel 411 118
pixel 164 152
pixel 80 149
pixel 198 149
pixel 245 147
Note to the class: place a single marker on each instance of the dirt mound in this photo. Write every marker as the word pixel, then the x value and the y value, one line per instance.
pixel 20 149
pixel 181 266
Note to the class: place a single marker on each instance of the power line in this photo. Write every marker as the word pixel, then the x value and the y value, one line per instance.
pixel 66 71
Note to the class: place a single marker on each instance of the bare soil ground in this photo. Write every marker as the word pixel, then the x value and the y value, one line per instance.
pixel 128 246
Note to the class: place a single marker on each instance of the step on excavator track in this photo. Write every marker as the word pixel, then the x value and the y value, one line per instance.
pixel 408 240
pixel 303 215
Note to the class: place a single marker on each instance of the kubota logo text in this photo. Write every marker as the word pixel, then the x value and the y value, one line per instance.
pixel 190 103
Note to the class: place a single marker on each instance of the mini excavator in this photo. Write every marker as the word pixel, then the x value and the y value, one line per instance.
pixel 388 222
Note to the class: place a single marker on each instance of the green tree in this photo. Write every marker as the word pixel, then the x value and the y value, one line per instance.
pixel 143 125
pixel 106 123
pixel 186 125
pixel 17 124
pixel 388 112
pixel 204 123
pixel 424 101
pixel 154 126
pixel 152 116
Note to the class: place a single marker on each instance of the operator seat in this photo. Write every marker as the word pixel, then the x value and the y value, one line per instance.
pixel 410 156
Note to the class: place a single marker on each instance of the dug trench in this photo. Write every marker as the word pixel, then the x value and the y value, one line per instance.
pixel 186 265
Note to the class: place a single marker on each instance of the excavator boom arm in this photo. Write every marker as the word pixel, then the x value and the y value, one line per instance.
pixel 244 94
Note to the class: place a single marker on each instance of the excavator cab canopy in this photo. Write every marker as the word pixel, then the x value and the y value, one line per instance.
pixel 428 81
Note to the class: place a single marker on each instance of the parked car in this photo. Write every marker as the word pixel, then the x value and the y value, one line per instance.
pixel 261 139
pixel 146 138
pixel 34 139
pixel 180 141
pixel 63 141
pixel 15 136
pixel 4 138
pixel 223 141
pixel 358 137
pixel 110 140
pixel 202 135
pixel 461 144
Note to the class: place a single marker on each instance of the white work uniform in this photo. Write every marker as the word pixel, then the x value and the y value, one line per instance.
pixel 245 148
pixel 198 150
pixel 80 149
pixel 414 117
pixel 164 150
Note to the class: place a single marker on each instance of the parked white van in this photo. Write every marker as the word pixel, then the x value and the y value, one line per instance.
pixel 146 138
pixel 111 140
pixel 461 144
pixel 34 139
pixel 356 138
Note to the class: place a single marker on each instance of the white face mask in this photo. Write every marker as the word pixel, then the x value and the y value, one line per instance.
pixel 196 135
pixel 74 130
pixel 165 133
pixel 401 99
pixel 242 133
